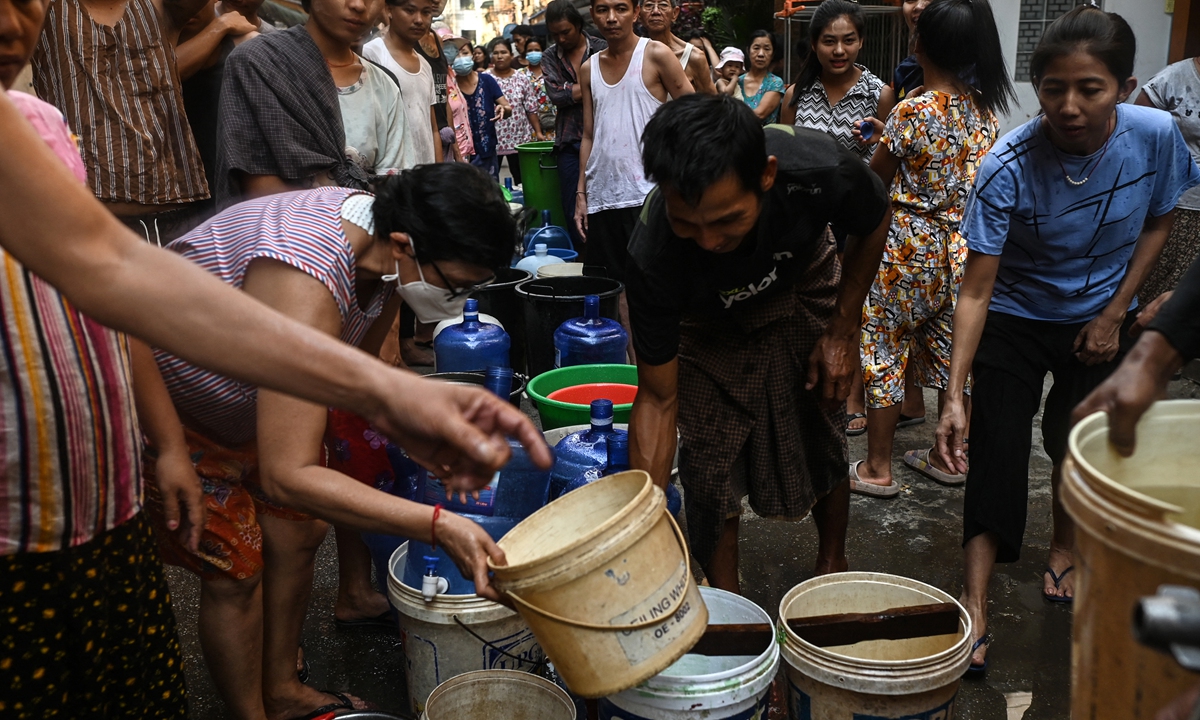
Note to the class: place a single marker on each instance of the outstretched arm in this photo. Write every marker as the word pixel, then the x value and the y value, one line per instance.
pixel 652 420
pixel 123 282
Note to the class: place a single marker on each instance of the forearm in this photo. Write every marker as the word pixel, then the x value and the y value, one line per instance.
pixel 1145 254
pixel 970 315
pixel 585 152
pixel 155 410
pixel 191 56
pixel 768 105
pixel 535 121
pixel 652 437
pixel 860 264
pixel 343 501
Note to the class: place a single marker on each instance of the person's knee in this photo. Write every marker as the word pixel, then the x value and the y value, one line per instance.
pixel 230 589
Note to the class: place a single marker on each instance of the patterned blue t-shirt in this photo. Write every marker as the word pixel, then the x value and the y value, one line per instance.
pixel 1063 248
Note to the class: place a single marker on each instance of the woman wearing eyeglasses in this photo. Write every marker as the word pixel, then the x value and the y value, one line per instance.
pixel 339 260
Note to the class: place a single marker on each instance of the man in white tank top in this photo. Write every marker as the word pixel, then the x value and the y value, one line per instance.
pixel 622 86
pixel 659 17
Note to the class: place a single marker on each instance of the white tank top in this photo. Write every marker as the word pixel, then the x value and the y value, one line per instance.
pixel 619 114
pixel 687 54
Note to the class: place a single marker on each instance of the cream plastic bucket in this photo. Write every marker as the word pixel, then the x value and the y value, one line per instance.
pixel 601 575
pixel 499 695
pixel 703 687
pixel 560 269
pixel 914 679
pixel 1137 527
pixel 437 647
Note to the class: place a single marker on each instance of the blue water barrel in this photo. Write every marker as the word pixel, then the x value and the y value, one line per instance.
pixel 470 345
pixel 591 339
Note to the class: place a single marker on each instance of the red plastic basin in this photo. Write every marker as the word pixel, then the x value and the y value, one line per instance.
pixel 584 394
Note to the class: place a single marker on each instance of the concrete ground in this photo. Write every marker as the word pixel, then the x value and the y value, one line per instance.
pixel 917 534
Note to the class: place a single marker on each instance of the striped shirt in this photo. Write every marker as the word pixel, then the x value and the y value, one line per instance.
pixel 69 441
pixel 302 229
pixel 860 101
pixel 120 90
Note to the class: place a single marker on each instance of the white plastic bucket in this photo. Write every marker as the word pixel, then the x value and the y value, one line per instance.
pixel 498 695
pixel 437 648
pixel 697 686
pixel 560 270
pixel 1137 527
pixel 914 679
pixel 601 575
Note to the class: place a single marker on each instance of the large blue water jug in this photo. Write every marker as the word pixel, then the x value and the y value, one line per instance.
pixel 515 196
pixel 590 339
pixel 471 346
pixel 549 234
pixel 618 461
pixel 583 450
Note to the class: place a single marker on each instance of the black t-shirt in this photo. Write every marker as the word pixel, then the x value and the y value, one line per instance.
pixel 437 63
pixel 818 183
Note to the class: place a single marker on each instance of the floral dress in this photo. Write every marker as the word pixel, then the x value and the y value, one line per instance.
pixel 515 130
pixel 771 83
pixel 547 112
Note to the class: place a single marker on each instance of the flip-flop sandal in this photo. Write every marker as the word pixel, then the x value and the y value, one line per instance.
pixel 1056 579
pixel 851 417
pixel 382 623
pixel 325 712
pixel 974 670
pixel 919 460
pixel 871 489
pixel 909 420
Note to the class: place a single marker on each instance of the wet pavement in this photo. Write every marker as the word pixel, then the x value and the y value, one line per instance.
pixel 917 534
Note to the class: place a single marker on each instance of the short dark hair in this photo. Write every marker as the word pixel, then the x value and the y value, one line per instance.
pixel 774 43
pixel 564 10
pixel 694 141
pixel 523 31
pixel 1103 35
pixel 960 37
pixel 500 41
pixel 427 203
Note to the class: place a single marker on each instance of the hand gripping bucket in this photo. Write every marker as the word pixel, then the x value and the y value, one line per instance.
pixel 499 695
pixel 601 575
pixel 915 679
pixel 455 634
pixel 1137 527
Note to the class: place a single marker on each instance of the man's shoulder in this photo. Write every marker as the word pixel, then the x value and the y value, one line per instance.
pixel 266 47
pixel 652 235
pixel 802 150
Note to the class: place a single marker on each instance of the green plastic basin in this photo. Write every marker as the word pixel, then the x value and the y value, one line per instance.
pixel 556 414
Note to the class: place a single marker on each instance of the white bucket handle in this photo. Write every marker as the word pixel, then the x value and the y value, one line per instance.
pixel 609 628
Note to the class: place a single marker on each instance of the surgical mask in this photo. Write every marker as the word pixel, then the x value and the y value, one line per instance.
pixel 463 66
pixel 430 303
pixel 449 52
pixel 534 58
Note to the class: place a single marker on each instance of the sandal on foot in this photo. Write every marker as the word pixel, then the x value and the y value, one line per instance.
pixel 382 623
pixel 851 417
pixel 325 712
pixel 909 420
pixel 974 670
pixel 865 488
pixel 1056 579
pixel 919 460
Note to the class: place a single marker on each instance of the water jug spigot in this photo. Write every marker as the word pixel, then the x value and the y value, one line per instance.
pixel 433 584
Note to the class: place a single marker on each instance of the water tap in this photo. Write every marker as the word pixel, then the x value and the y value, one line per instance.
pixel 433 584
pixel 1170 622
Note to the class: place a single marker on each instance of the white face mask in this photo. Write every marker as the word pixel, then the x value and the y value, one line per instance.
pixel 430 303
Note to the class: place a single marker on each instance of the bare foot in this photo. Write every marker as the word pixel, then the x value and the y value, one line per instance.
pixel 1060 559
pixel 978 629
pixel 304 701
pixel 360 607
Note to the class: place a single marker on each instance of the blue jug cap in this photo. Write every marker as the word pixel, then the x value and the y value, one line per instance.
pixel 471 309
pixel 591 307
pixel 431 564
pixel 602 413
pixel 508 184
pixel 539 249
pixel 545 218
pixel 866 129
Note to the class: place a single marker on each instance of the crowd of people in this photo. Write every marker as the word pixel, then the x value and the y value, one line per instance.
pixel 786 249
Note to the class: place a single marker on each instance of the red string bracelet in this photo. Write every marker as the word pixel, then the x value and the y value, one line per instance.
pixel 437 510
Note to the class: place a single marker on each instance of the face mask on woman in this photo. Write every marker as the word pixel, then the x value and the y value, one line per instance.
pixel 534 58
pixel 449 52
pixel 430 303
pixel 463 66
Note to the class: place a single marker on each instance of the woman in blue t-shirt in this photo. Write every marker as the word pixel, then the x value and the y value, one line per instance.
pixel 762 89
pixel 486 105
pixel 1068 215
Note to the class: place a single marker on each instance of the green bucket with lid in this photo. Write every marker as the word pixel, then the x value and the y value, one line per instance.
pixel 539 180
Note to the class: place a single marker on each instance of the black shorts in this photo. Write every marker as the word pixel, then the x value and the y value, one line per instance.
pixel 608 233
pixel 1010 369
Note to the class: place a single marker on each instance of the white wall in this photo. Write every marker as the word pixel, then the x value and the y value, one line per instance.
pixel 1151 25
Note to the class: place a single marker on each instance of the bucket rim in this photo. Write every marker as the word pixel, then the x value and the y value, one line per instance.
pixel 618 518
pixel 1095 425
pixel 401 595
pixel 863 667
pixel 613 292
pixel 497 675
pixel 539 398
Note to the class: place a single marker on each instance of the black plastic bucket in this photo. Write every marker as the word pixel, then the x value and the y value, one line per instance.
pixel 549 302
pixel 501 302
pixel 477 378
